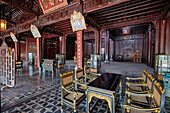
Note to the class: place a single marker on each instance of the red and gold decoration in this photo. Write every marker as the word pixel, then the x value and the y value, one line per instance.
pixel 77 21
pixel 50 5
pixel 3 24
pixel 126 30
pixel 79 49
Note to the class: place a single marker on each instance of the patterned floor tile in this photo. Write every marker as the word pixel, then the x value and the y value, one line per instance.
pixel 46 98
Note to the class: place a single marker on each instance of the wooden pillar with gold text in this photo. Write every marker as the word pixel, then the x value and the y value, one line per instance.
pixel 38 51
pixel 63 46
pixel 16 51
pixel 80 48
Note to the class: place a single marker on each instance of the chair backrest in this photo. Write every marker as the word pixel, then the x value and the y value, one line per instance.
pixel 79 73
pixel 159 95
pixel 67 78
pixel 87 70
pixel 145 74
pixel 150 82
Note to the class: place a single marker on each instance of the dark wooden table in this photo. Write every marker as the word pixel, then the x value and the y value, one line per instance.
pixel 105 87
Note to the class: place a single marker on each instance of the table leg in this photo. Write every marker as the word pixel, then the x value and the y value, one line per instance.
pixel 87 103
pixel 109 99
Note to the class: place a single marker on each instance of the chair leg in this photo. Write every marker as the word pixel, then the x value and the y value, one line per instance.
pixel 62 106
pixel 127 110
pixel 128 99
pixel 74 110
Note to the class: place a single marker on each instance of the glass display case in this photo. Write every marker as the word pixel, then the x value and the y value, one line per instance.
pixel 60 60
pixel 168 65
pixel 95 63
pixel 30 57
pixel 162 65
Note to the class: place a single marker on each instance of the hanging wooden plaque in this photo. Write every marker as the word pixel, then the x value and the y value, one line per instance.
pixel 35 31
pixel 13 37
pixel 77 21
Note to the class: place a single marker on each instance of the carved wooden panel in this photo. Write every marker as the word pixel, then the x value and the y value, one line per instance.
pixel 7 66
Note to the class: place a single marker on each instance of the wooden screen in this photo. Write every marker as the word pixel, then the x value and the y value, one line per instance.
pixel 7 66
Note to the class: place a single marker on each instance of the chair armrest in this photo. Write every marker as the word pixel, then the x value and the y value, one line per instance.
pixel 98 74
pixel 138 94
pixel 81 83
pixel 130 78
pixel 136 84
pixel 72 92
pixel 141 109
pixel 90 77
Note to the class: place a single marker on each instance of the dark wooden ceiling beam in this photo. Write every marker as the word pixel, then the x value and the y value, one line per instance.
pixel 12 22
pixel 125 8
pixel 52 30
pixel 119 8
pixel 132 11
pixel 111 25
pixel 125 17
pixel 90 21
pixel 61 25
pixel 8 2
pixel 105 6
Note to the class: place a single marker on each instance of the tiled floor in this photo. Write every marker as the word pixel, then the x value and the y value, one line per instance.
pixel 40 93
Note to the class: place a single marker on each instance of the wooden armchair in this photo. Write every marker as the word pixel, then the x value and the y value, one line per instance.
pixel 148 90
pixel 141 82
pixel 69 95
pixel 157 103
pixel 80 80
pixel 89 75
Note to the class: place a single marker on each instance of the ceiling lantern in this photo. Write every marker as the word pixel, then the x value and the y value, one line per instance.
pixel 126 30
pixel 3 24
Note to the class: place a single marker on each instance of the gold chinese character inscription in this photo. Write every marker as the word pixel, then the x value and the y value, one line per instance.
pixel 59 1
pixel 45 3
pixel 51 2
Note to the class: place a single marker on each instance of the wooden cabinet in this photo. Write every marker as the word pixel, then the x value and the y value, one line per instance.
pixel 137 56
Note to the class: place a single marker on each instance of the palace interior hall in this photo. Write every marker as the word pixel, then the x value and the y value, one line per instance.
pixel 85 56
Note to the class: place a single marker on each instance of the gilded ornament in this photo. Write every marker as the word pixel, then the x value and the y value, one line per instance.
pixel 108 99
pixel 51 2
pixel 45 3
pixel 59 1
